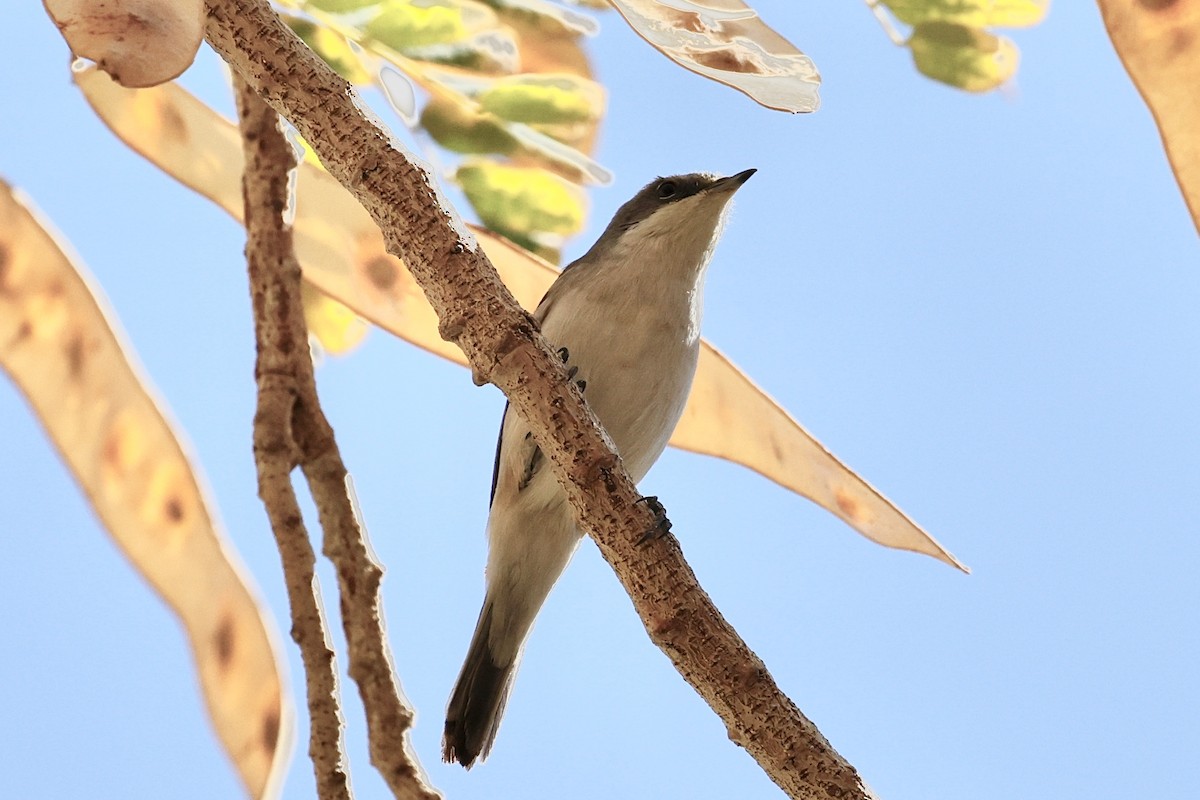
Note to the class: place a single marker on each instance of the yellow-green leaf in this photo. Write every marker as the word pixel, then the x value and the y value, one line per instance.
pixel 522 200
pixel 969 59
pixel 544 99
pixel 491 51
pixel 331 323
pixel 405 24
pixel 460 86
pixel 306 152
pixel 462 130
pixel 331 46
pixel 972 13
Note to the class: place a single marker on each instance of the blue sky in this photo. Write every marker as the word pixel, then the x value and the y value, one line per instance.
pixel 985 305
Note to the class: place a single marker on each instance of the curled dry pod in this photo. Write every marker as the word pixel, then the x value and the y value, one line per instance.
pixel 138 42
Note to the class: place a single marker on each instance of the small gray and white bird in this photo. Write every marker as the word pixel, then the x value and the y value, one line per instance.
pixel 626 317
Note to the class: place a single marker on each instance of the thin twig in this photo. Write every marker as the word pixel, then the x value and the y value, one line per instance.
pixel 275 290
pixel 389 718
pixel 294 431
pixel 503 346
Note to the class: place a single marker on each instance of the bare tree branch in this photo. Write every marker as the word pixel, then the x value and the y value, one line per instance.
pixel 503 346
pixel 290 429
pixel 282 341
pixel 389 718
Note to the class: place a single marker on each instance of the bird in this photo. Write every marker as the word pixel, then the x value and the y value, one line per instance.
pixel 625 317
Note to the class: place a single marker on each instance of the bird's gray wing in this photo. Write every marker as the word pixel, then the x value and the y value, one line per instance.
pixel 532 461
pixel 564 279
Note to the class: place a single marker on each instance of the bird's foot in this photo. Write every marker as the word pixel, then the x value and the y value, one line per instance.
pixel 662 526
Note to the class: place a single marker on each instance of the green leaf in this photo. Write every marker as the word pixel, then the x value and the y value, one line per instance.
pixel 522 200
pixel 963 57
pixel 405 24
pixel 544 99
pixel 462 130
pixel 972 13
pixel 490 52
pixel 338 328
pixel 332 47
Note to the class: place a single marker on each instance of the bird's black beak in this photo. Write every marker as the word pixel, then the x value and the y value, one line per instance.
pixel 732 183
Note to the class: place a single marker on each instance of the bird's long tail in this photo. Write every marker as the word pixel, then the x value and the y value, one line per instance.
pixel 478 700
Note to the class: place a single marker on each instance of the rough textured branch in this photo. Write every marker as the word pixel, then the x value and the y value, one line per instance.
pixel 499 340
pixel 290 429
pixel 273 272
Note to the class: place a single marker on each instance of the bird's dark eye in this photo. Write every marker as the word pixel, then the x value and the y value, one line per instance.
pixel 666 190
